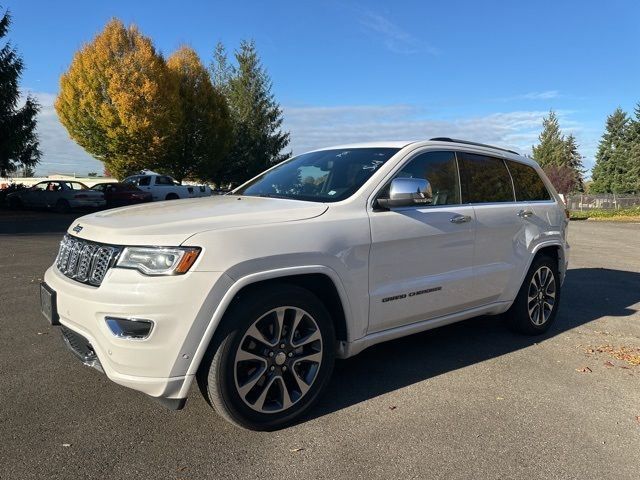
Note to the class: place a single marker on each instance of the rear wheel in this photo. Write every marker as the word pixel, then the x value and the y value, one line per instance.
pixel 271 359
pixel 536 306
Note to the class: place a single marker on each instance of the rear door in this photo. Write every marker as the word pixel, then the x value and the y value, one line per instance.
pixel 500 252
pixel 542 216
pixel 421 258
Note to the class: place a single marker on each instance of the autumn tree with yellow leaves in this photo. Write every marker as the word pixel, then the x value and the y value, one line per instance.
pixel 130 109
pixel 120 101
pixel 203 137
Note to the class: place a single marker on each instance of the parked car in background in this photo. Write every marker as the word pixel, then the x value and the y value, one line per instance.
pixel 60 195
pixel 163 187
pixel 120 194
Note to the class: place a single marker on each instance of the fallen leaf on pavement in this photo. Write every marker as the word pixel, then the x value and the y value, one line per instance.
pixel 608 364
pixel 392 407
pixel 628 354
pixel 584 370
pixel 297 449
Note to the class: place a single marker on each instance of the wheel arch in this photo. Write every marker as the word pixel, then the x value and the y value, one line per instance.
pixel 329 289
pixel 551 248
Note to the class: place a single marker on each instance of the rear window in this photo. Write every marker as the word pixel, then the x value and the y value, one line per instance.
pixel 528 184
pixel 484 179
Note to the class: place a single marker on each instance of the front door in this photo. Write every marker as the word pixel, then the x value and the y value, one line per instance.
pixel 421 258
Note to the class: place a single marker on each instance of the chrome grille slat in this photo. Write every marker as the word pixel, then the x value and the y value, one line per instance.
pixel 85 261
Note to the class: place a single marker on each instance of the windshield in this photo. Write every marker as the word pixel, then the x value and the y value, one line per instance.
pixel 324 176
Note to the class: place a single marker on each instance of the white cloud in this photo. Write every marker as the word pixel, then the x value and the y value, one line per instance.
pixel 315 127
pixel 60 154
pixel 544 95
pixel 394 37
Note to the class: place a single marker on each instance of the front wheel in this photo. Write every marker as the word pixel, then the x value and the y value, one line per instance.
pixel 272 358
pixel 536 306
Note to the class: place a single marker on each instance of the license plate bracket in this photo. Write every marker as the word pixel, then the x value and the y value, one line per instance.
pixel 48 305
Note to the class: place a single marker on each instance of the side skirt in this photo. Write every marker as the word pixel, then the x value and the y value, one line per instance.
pixel 349 349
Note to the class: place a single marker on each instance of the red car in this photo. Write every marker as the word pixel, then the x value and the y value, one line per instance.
pixel 120 194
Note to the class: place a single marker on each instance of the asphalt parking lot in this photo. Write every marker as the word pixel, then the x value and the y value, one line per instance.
pixel 468 401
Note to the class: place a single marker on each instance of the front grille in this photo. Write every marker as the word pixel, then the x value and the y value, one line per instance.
pixel 84 261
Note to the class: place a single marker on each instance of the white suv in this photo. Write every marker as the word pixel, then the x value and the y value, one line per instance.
pixel 256 292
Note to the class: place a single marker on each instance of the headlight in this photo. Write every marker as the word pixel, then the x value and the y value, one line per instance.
pixel 160 260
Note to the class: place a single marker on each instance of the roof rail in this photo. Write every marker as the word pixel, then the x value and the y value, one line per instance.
pixel 466 142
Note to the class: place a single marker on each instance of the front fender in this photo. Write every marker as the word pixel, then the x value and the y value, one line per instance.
pixel 221 296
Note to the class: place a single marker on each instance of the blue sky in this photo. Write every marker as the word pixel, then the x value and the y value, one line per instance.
pixel 349 71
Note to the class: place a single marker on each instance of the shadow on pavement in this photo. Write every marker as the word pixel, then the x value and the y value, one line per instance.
pixel 34 222
pixel 589 293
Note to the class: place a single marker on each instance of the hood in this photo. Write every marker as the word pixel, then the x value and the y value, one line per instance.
pixel 171 222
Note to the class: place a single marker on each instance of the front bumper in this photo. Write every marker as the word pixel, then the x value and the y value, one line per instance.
pixel 156 365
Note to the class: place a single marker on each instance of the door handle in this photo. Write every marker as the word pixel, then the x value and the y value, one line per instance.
pixel 525 213
pixel 460 219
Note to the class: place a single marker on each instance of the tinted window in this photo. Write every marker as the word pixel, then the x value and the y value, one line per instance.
pixel 484 179
pixel 528 184
pixel 144 181
pixel 440 169
pixel 163 181
pixel 322 176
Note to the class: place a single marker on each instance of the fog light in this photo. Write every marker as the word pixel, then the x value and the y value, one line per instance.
pixel 131 328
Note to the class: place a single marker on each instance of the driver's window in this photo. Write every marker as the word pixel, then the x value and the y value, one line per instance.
pixel 441 170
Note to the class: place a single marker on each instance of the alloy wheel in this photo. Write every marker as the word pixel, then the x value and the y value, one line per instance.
pixel 278 359
pixel 541 298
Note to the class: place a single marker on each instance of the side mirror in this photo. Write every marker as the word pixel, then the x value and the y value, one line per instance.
pixel 405 192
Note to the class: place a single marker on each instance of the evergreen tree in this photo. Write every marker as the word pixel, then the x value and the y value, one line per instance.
pixel 256 117
pixel 18 140
pixel 552 147
pixel 573 160
pixel 612 154
pixel 632 183
pixel 556 150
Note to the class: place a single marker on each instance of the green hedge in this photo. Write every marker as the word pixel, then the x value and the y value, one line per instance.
pixel 601 213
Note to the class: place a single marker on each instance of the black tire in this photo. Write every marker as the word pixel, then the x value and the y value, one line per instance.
pixel 218 372
pixel 62 206
pixel 172 196
pixel 532 315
